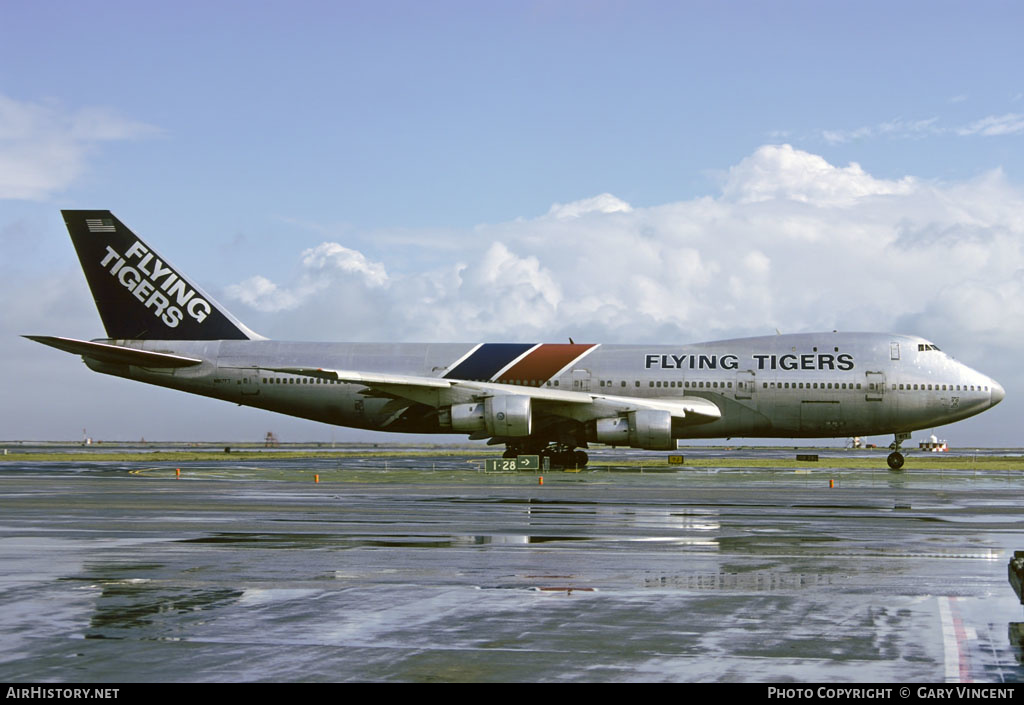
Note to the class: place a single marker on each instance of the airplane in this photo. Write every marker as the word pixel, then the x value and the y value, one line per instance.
pixel 549 399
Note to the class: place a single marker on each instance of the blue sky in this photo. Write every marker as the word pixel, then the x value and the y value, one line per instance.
pixel 808 165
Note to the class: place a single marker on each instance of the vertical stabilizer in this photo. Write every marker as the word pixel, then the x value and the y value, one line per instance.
pixel 138 293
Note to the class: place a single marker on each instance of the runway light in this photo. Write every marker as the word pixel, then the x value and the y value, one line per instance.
pixel 316 479
pixel 541 482
pixel 177 473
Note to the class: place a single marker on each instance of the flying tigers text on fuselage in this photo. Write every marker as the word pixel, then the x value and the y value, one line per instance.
pixel 766 361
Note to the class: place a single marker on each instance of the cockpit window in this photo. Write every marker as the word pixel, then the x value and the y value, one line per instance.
pixel 922 347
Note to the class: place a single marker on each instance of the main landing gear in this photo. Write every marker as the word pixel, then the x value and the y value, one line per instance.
pixel 895 459
pixel 560 455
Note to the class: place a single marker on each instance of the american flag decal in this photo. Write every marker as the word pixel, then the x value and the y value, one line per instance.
pixel 100 225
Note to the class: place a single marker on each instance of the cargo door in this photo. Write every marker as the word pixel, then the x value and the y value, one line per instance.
pixel 746 385
pixel 581 380
pixel 874 386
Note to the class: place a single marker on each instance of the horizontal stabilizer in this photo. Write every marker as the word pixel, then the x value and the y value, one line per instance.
pixel 115 354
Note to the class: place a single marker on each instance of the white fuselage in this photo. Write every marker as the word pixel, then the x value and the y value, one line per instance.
pixel 805 385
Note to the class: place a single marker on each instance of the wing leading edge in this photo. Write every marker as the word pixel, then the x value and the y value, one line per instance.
pixel 580 406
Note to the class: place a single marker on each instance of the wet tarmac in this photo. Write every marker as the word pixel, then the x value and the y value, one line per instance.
pixel 426 569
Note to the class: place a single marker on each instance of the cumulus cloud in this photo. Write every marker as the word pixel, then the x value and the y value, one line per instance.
pixel 791 242
pixel 43 147
pixel 780 172
pixel 325 265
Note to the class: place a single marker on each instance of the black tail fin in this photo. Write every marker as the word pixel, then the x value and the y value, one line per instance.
pixel 138 294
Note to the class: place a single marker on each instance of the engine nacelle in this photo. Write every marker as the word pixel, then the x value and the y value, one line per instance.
pixel 467 418
pixel 510 415
pixel 651 429
pixel 613 432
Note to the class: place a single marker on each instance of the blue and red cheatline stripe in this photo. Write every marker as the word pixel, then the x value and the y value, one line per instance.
pixel 518 363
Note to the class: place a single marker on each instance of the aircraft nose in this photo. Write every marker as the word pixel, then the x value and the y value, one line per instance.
pixel 997 392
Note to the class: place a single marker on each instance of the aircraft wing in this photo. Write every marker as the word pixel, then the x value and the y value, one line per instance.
pixel 581 406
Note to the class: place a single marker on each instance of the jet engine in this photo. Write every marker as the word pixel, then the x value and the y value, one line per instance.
pixel 650 429
pixel 507 416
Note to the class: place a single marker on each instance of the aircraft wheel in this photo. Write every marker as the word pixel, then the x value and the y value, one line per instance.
pixel 580 457
pixel 509 454
pixel 895 461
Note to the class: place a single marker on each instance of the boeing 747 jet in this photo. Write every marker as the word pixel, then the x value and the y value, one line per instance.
pixel 551 399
